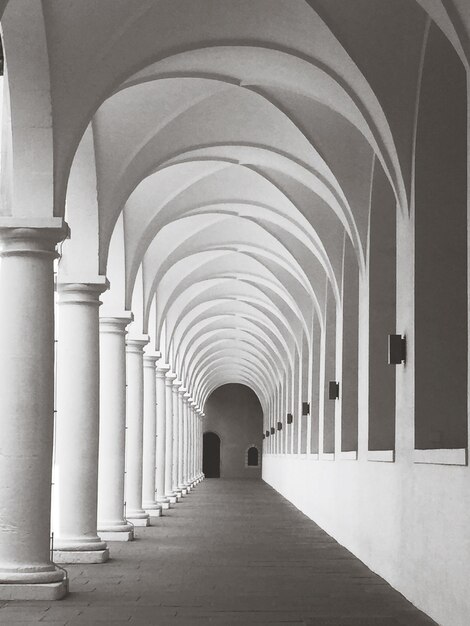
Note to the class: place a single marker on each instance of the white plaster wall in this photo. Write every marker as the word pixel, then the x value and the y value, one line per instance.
pixel 407 522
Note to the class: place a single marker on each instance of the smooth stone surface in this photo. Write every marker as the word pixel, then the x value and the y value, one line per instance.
pixel 235 553
pixel 154 512
pixel 29 591
pixel 127 535
pixel 166 505
pixel 81 556
pixel 138 521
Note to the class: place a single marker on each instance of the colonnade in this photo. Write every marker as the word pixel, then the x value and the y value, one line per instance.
pixel 128 434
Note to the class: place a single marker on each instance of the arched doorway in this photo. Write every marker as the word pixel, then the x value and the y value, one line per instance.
pixel 211 455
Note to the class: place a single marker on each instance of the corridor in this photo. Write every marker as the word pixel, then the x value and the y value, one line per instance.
pixel 233 552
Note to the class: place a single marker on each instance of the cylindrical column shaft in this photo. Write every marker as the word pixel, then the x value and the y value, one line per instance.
pixel 77 431
pixel 181 484
pixel 169 493
pixel 194 442
pixel 150 433
pixel 134 421
pixel 112 524
pixel 161 372
pixel 27 413
pixel 186 481
pixel 176 435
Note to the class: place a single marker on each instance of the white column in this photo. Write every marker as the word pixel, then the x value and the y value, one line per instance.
pixel 186 482
pixel 77 428
pixel 196 444
pixel 192 450
pixel 150 437
pixel 161 372
pixel 27 414
pixel 199 456
pixel 134 422
pixel 176 435
pixel 112 524
pixel 169 493
pixel 181 484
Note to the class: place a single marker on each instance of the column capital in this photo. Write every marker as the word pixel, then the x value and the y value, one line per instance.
pixel 162 370
pixel 187 397
pixel 37 237
pixel 150 358
pixel 116 325
pixel 82 293
pixel 169 378
pixel 182 391
pixel 136 345
pixel 176 385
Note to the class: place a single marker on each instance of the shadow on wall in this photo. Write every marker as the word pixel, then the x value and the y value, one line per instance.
pixel 234 414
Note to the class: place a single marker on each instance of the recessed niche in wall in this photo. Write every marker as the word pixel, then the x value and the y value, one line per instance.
pixel 303 418
pixel 314 404
pixel 382 313
pixel 441 251
pixel 330 372
pixel 349 406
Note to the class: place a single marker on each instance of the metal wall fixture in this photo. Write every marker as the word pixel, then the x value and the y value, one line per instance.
pixel 273 430
pixel 396 349
pixel 267 433
pixel 305 409
pixel 333 390
pixel 279 425
pixel 290 418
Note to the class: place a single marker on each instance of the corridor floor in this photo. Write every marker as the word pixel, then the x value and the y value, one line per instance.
pixel 232 552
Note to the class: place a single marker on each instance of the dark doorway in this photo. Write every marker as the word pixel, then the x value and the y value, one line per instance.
pixel 253 456
pixel 211 455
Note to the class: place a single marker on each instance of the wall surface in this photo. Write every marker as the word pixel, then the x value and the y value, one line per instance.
pixel 234 413
pixel 404 520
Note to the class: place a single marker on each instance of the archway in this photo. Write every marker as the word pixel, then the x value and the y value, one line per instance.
pixel 253 457
pixel 211 455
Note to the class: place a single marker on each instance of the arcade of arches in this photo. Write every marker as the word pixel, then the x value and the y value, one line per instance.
pixel 257 192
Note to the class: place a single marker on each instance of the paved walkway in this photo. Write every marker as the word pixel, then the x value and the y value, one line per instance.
pixel 232 552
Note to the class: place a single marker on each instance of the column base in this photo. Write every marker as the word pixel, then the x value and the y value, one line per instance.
pixel 139 521
pixel 183 489
pixel 34 591
pixel 163 502
pixel 111 535
pixel 172 498
pixel 152 508
pixel 81 556
pixel 154 512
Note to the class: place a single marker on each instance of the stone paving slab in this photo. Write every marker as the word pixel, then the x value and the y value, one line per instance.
pixel 231 552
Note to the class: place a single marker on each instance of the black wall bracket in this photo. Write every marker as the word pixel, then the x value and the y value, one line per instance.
pixel 396 349
pixel 333 390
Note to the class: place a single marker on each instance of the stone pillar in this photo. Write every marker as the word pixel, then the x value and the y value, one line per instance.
pixel 150 437
pixel 169 493
pixel 193 442
pixel 77 428
pixel 134 422
pixel 161 373
pixel 176 436
pixel 181 485
pixel 27 413
pixel 112 525
pixel 186 437
pixel 200 475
